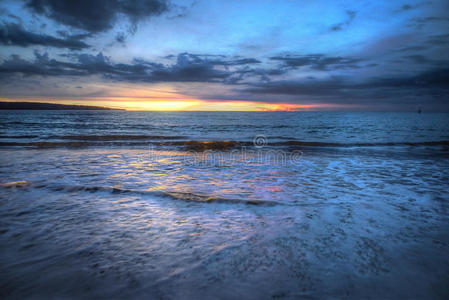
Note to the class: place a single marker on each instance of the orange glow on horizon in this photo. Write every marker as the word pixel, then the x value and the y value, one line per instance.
pixel 162 97
pixel 180 105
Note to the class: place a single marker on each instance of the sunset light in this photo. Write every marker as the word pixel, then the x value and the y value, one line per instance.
pixel 184 105
pixel 224 149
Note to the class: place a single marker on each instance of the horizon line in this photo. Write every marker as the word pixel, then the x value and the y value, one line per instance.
pixel 303 108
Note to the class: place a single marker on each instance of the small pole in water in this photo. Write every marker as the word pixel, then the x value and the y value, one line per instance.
pixel 419 110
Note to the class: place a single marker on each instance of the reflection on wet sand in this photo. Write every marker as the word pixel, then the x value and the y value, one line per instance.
pixel 108 223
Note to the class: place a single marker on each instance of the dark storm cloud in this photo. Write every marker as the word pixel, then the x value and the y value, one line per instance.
pixel 187 68
pixel 407 7
pixel 437 78
pixel 41 66
pixel 305 87
pixel 13 34
pixel 419 59
pixel 120 38
pixel 238 62
pixel 194 68
pixel 439 40
pixel 419 23
pixel 350 17
pixel 14 17
pixel 96 15
pixel 319 62
pixel 216 60
pixel 432 82
pixel 411 48
pixel 424 60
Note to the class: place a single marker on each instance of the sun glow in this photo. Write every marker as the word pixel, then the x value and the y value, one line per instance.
pixel 165 98
pixel 179 105
pixel 158 105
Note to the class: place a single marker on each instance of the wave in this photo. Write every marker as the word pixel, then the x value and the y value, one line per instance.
pixel 201 146
pixel 208 145
pixel 46 144
pixel 18 136
pixel 321 144
pixel 212 199
pixel 15 184
pixel 188 145
pixel 115 137
pixel 183 196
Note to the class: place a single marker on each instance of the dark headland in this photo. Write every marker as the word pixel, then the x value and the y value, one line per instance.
pixel 47 106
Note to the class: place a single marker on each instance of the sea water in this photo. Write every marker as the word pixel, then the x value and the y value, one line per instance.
pixel 191 205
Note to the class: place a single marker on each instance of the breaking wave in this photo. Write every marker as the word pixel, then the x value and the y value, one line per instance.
pixel 183 196
pixel 194 145
pixel 115 137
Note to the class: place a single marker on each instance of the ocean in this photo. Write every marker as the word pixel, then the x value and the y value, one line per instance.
pixel 223 205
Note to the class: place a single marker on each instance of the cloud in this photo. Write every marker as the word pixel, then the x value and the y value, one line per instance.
pixel 254 82
pixel 13 34
pixel 303 87
pixel 226 72
pixel 433 83
pixel 407 7
pixel 187 68
pixel 120 37
pixel 96 15
pixel 419 23
pixel 350 17
pixel 419 59
pixel 411 48
pixel 439 40
pixel 41 66
pixel 217 60
pixel 437 78
pixel 319 62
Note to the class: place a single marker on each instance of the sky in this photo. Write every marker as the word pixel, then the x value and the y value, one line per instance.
pixel 227 55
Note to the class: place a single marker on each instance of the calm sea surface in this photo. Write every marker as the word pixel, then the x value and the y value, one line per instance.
pixel 288 205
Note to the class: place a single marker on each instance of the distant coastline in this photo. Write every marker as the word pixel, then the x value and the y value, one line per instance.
pixel 47 106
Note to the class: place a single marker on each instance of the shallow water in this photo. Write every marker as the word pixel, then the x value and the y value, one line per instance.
pixel 155 220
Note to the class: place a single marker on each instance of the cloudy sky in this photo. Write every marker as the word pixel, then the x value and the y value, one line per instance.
pixel 226 54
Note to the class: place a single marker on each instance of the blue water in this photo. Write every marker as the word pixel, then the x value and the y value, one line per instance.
pixel 239 126
pixel 144 205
